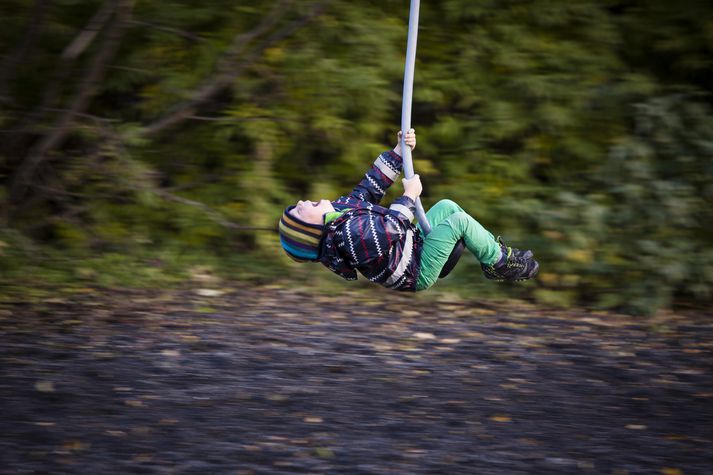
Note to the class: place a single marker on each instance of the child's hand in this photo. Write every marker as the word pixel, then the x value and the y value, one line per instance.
pixel 413 187
pixel 410 138
pixel 410 141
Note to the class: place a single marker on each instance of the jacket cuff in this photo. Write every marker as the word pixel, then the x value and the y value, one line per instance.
pixel 389 164
pixel 404 206
pixel 394 156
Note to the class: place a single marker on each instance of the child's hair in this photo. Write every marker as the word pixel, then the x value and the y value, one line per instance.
pixel 300 240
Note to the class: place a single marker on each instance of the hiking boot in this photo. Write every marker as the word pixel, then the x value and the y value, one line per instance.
pixel 514 265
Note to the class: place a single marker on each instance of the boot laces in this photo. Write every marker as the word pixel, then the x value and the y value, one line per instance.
pixel 515 261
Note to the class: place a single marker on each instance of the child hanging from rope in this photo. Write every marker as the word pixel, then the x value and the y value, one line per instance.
pixel 356 233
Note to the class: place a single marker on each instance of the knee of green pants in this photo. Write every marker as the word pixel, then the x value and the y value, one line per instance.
pixel 446 206
pixel 441 211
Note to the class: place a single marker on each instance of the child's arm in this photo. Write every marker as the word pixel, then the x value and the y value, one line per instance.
pixel 383 172
pixel 405 205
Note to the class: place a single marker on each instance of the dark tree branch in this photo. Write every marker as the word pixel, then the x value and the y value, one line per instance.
pixel 229 68
pixel 85 37
pixel 234 119
pixel 182 33
pixel 78 45
pixel 93 117
pixel 214 85
pixel 210 212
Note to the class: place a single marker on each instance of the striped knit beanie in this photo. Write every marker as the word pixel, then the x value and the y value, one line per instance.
pixel 300 240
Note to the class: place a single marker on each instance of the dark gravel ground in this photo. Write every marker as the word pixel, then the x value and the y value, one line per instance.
pixel 268 381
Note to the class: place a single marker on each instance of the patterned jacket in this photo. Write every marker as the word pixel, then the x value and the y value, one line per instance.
pixel 381 243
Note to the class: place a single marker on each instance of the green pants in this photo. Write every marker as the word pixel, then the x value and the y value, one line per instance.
pixel 449 224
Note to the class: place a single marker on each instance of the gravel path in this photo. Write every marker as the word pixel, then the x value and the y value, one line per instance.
pixel 267 381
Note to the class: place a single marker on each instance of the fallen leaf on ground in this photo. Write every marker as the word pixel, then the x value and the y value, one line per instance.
pixel 44 386
pixel 313 419
pixel 424 336
pixel 501 418
pixel 209 292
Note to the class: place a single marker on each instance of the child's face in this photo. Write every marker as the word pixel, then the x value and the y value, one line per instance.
pixel 312 211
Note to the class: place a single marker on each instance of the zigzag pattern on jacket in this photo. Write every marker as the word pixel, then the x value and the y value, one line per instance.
pixel 381 243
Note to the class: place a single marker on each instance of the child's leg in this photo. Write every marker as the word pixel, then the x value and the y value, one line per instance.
pixel 449 224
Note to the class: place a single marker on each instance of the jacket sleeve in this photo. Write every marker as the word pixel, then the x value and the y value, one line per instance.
pixel 403 208
pixel 385 169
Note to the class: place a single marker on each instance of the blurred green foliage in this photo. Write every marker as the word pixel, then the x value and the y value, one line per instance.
pixel 582 130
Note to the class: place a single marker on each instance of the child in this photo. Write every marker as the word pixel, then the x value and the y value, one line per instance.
pixel 355 233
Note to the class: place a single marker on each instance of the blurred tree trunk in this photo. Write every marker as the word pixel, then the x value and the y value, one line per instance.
pixel 86 90
pixel 19 140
